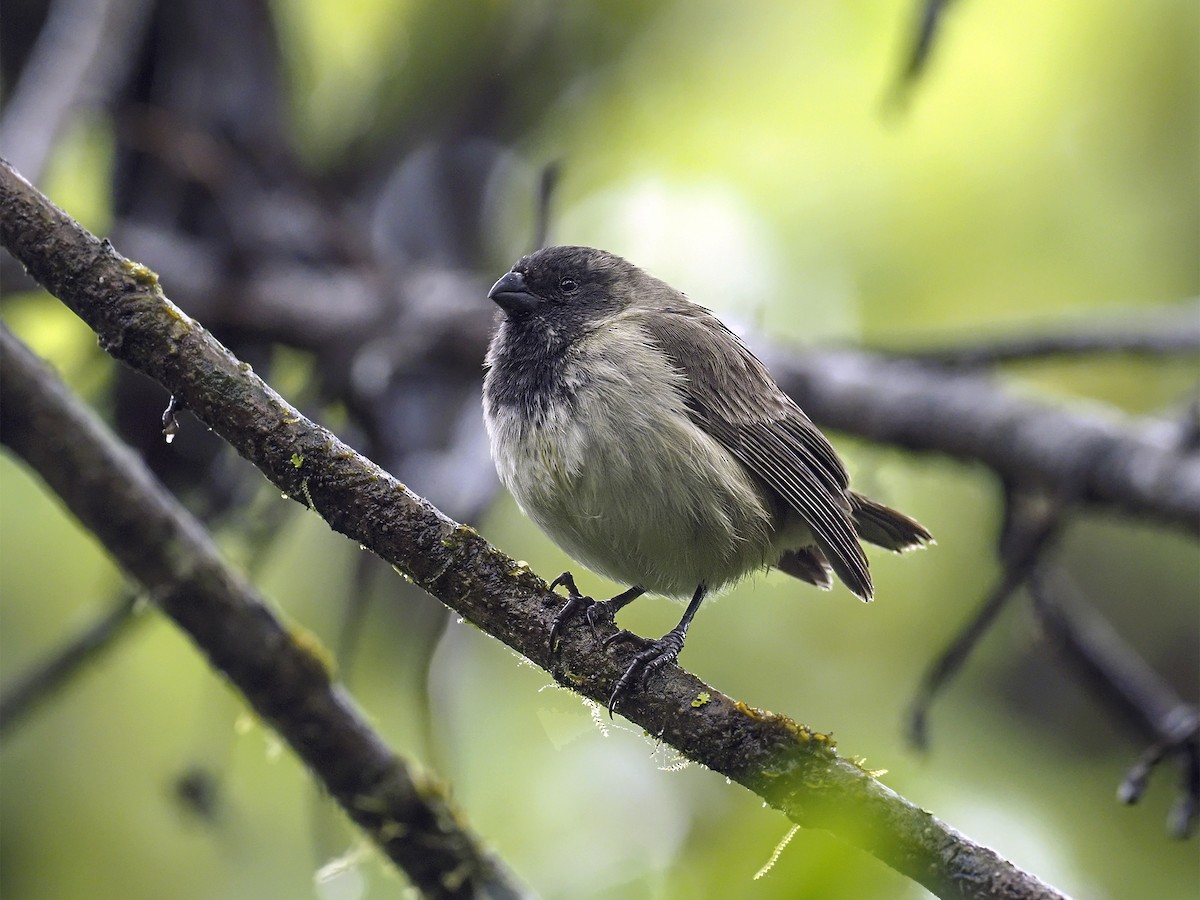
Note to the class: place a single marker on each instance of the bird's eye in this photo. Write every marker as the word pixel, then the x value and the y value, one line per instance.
pixel 568 285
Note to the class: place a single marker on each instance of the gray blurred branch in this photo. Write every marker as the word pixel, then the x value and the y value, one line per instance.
pixel 927 26
pixel 792 767
pixel 1112 670
pixel 1173 330
pixel 79 60
pixel 158 542
pixel 1031 526
pixel 46 678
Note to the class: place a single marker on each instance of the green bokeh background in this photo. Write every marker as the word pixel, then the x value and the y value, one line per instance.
pixel 1048 167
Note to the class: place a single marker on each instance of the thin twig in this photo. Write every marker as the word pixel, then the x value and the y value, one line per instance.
pixel 926 28
pixel 48 677
pixel 1116 674
pixel 1030 526
pixel 82 54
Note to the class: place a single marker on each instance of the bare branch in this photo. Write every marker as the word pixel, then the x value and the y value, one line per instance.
pixel 926 27
pixel 1112 670
pixel 159 543
pixel 789 765
pixel 1170 331
pixel 48 676
pixel 1030 526
pixel 81 56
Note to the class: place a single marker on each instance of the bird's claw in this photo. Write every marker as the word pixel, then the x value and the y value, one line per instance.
pixel 599 613
pixel 575 602
pixel 625 636
pixel 654 655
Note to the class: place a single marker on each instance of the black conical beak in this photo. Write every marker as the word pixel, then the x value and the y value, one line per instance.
pixel 511 294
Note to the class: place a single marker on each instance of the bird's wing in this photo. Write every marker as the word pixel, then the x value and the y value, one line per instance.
pixel 732 396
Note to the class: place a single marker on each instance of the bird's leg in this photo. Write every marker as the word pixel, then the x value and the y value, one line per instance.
pixel 655 654
pixel 606 610
pixel 596 611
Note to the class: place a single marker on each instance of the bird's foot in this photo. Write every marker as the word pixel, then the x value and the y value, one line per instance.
pixel 597 612
pixel 575 602
pixel 654 655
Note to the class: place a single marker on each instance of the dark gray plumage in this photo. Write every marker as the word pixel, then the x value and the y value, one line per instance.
pixel 644 437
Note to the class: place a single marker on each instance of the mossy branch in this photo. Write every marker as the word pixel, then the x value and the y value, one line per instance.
pixel 793 768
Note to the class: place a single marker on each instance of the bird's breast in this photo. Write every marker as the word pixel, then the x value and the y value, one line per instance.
pixel 609 464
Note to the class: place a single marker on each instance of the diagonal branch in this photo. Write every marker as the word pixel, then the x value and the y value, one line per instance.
pixel 1031 525
pixel 49 676
pixel 1112 670
pixel 792 767
pixel 159 543
pixel 926 28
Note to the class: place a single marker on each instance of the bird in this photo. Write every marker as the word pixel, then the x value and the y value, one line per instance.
pixel 652 446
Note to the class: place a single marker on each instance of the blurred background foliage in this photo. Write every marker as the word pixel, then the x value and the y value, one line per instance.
pixel 1045 171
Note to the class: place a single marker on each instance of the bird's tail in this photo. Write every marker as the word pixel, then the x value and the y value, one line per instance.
pixel 808 564
pixel 880 525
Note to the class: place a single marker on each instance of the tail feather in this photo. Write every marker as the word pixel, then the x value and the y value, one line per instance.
pixel 807 564
pixel 885 527
pixel 875 523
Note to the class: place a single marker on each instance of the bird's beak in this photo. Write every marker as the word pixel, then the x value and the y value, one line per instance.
pixel 511 294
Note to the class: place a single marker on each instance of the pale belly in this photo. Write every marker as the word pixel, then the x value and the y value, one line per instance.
pixel 636 493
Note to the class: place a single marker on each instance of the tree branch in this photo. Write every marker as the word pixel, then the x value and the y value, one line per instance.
pixel 1112 670
pixel 81 56
pixel 160 544
pixel 1031 524
pixel 926 28
pixel 792 767
pixel 50 675
pixel 1173 330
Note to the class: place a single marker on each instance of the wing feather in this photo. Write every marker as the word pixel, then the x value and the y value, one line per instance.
pixel 733 397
